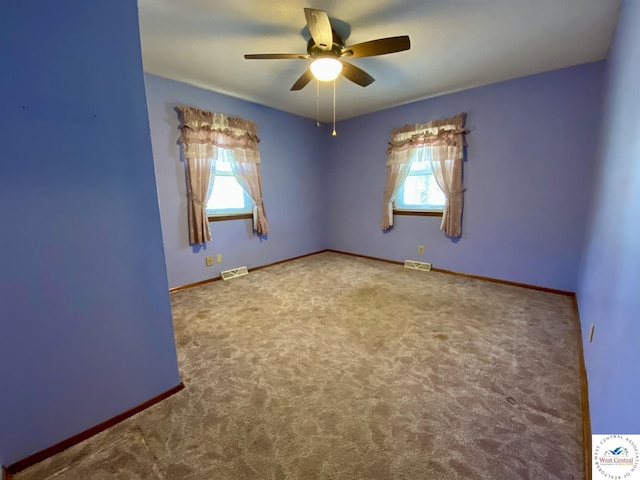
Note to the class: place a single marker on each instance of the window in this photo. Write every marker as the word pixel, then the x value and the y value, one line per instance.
pixel 411 187
pixel 420 191
pixel 227 197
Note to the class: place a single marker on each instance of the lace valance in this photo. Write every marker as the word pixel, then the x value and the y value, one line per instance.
pixel 447 132
pixel 201 131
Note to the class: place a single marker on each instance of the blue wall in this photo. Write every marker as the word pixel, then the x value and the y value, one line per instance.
pixel 86 327
pixel 609 287
pixel 292 179
pixel 531 159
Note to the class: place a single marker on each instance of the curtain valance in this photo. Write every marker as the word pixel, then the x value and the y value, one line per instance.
pixel 437 133
pixel 201 131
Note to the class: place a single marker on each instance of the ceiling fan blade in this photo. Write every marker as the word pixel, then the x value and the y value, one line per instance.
pixel 275 56
pixel 381 46
pixel 303 80
pixel 319 27
pixel 356 75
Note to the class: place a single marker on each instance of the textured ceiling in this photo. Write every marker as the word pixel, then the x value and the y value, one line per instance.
pixel 455 44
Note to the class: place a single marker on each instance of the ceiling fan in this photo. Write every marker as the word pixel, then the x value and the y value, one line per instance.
pixel 328 51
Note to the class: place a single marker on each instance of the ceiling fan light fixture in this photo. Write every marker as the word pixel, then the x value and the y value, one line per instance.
pixel 326 69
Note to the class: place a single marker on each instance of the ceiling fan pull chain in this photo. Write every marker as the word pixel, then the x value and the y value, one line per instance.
pixel 317 102
pixel 333 134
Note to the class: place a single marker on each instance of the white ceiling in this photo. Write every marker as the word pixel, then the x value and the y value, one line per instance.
pixel 455 45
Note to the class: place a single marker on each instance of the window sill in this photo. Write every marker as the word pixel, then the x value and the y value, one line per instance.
pixel 419 213
pixel 233 216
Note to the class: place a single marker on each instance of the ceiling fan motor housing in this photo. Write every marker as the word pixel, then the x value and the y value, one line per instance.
pixel 336 48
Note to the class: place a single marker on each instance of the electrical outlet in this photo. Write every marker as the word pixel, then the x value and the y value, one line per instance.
pixel 219 258
pixel 208 260
pixel 420 248
pixel 593 327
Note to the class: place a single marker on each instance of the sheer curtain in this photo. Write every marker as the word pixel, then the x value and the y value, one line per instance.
pixel 202 135
pixel 246 170
pixel 398 166
pixel 446 164
pixel 442 142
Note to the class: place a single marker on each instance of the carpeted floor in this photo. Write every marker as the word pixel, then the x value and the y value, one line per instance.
pixel 335 367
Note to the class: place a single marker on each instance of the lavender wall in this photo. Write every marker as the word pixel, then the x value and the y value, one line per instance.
pixel 86 330
pixel 292 175
pixel 528 176
pixel 609 286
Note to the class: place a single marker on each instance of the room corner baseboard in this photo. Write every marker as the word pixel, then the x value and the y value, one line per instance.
pixel 215 279
pixel 365 256
pixel 566 293
pixel 467 275
pixel 90 432
pixel 287 260
pixel 5 474
pixel 584 396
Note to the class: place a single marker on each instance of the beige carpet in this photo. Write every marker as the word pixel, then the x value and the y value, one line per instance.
pixel 127 458
pixel 335 367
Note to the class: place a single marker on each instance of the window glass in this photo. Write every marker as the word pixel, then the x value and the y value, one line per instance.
pixel 420 190
pixel 227 196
